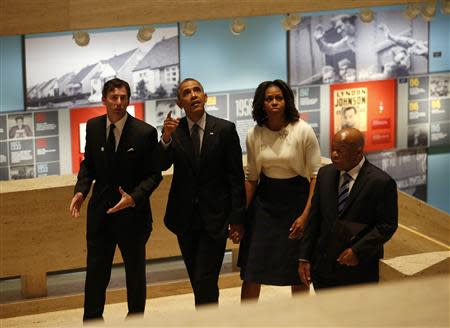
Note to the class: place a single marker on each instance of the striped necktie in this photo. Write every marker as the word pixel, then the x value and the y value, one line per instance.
pixel 344 191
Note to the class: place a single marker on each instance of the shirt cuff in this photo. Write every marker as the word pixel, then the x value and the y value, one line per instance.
pixel 166 144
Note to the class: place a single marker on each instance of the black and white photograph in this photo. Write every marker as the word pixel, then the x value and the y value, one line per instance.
pixel 21 172
pixel 157 110
pixel 20 125
pixel 341 48
pixel 60 73
pixel 407 167
pixel 418 136
pixel 439 85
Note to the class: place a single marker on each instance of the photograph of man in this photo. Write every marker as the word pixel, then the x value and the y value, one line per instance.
pixel 349 117
pixel 354 212
pixel 344 30
pixel 207 198
pixel 122 156
pixel 20 129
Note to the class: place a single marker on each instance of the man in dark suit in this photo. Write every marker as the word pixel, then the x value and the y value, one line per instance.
pixel 207 198
pixel 122 156
pixel 353 213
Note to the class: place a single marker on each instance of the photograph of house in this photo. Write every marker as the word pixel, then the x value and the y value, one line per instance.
pixel 75 75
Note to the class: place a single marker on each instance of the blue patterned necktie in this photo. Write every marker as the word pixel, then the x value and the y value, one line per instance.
pixel 344 191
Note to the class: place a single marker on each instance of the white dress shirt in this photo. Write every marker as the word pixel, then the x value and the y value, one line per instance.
pixel 119 128
pixel 353 173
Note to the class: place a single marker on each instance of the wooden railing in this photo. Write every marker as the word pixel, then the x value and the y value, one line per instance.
pixel 38 235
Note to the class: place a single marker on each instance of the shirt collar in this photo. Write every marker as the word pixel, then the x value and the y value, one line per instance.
pixel 355 171
pixel 119 124
pixel 201 122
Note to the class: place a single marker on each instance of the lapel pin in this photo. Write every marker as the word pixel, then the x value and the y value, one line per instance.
pixel 211 133
pixel 102 148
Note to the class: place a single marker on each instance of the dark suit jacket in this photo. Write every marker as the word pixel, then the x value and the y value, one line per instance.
pixel 216 188
pixel 136 168
pixel 372 201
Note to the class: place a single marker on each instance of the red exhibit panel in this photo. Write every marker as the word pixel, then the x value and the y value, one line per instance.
pixel 368 106
pixel 79 117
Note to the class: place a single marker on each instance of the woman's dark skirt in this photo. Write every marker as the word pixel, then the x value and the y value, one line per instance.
pixel 266 254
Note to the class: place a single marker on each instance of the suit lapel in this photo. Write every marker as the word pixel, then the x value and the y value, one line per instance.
pixel 334 192
pixel 124 137
pixel 102 138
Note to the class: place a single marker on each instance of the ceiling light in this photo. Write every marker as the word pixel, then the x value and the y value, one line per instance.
pixel 429 11
pixel 290 21
pixel 366 15
pixel 145 33
pixel 445 7
pixel 412 11
pixel 237 26
pixel 188 28
pixel 81 38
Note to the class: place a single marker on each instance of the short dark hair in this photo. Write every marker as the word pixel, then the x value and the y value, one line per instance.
pixel 290 111
pixel 348 108
pixel 114 84
pixel 19 117
pixel 186 80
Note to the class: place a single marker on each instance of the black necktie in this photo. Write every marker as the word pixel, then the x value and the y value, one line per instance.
pixel 195 137
pixel 111 142
pixel 344 191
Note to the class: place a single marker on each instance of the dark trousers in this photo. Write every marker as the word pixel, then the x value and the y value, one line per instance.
pixel 203 258
pixel 131 238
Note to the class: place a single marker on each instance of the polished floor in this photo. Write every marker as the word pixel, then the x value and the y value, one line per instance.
pixel 407 303
pixel 158 307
